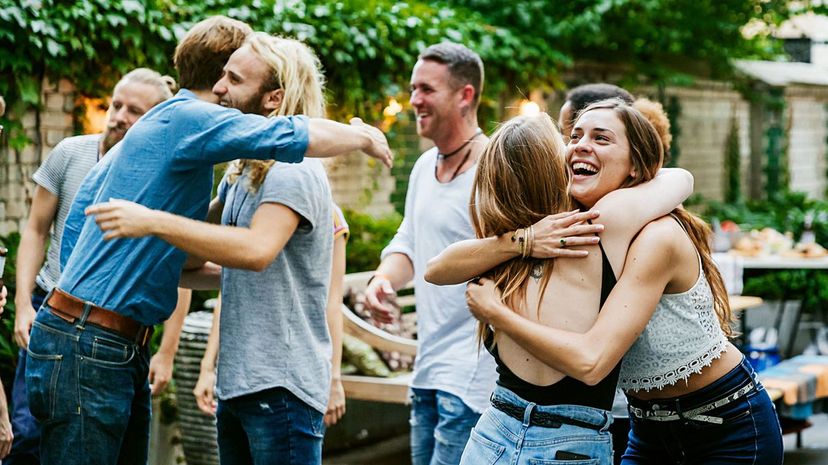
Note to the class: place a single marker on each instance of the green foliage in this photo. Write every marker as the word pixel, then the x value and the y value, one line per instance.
pixel 369 236
pixel 367 47
pixel 8 349
pixel 733 175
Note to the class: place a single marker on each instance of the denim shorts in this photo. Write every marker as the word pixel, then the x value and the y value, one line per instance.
pixel 748 431
pixel 498 438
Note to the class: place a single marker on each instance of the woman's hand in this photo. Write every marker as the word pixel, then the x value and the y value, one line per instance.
pixel 484 300
pixel 555 233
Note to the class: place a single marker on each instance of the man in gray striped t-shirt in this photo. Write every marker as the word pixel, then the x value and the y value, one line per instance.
pixel 58 179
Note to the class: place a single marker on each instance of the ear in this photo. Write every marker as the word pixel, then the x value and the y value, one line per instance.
pixel 272 101
pixel 467 94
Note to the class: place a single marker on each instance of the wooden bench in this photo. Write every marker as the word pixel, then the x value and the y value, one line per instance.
pixel 393 389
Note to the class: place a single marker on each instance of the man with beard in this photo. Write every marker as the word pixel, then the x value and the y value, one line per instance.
pixel 452 378
pixel 275 243
pixel 91 339
pixel 57 180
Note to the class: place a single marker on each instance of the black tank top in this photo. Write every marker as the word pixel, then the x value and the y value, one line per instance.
pixel 568 390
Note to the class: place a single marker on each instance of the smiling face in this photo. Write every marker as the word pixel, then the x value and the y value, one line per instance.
pixel 242 81
pixel 130 100
pixel 437 104
pixel 599 156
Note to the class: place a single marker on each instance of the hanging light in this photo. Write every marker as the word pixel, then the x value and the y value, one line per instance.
pixel 529 108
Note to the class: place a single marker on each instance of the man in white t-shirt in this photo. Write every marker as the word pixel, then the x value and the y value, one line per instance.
pixel 452 378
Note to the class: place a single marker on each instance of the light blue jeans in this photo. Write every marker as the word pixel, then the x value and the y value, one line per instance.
pixel 501 439
pixel 440 427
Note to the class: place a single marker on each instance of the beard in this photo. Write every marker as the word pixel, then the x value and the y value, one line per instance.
pixel 112 135
pixel 252 105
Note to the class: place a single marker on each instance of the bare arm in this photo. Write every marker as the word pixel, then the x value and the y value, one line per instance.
pixel 252 248
pixel 206 384
pixel 29 259
pixel 206 278
pixel 589 357
pixel 161 364
pixel 464 260
pixel 6 436
pixel 336 403
pixel 328 138
pixel 625 211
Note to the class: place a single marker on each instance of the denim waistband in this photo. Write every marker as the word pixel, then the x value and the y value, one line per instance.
pixel 578 415
pixel 740 376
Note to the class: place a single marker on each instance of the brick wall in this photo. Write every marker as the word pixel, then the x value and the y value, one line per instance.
pixel 808 119
pixel 45 128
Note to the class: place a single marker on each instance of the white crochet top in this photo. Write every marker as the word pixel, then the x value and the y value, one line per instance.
pixel 682 337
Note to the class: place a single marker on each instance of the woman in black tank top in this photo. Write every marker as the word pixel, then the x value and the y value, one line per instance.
pixel 522 177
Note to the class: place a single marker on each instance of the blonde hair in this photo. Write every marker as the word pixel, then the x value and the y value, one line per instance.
pixel 521 177
pixel 164 85
pixel 298 72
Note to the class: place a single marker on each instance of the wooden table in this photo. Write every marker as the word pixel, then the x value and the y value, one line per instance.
pixel 811 266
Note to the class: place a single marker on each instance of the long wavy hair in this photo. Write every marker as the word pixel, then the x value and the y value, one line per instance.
pixel 647 155
pixel 298 72
pixel 521 178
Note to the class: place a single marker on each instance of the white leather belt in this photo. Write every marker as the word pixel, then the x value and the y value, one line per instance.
pixel 692 414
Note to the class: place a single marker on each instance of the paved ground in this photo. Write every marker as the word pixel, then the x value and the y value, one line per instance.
pixel 395 451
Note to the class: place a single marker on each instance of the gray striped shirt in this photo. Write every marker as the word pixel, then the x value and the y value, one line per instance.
pixel 62 174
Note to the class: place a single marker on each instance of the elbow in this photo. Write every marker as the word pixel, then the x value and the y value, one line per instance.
pixel 256 260
pixel 435 274
pixel 591 371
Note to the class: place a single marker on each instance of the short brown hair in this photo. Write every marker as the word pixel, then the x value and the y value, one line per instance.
pixel 464 65
pixel 202 53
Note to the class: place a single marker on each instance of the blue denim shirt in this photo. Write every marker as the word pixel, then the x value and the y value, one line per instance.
pixel 165 162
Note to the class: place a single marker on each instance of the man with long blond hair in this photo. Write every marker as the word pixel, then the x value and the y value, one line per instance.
pixel 91 339
pixel 275 243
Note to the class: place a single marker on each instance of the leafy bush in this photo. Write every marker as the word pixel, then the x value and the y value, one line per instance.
pixel 369 236
pixel 8 349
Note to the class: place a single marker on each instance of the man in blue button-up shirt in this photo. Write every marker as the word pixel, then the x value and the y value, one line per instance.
pixel 88 382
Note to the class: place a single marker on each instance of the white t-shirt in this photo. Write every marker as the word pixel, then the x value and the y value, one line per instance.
pixel 448 356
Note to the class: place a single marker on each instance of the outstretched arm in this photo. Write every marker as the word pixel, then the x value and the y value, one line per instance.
pixel 328 138
pixel 464 260
pixel 252 248
pixel 589 357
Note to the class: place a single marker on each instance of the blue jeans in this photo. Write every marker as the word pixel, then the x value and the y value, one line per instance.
pixel 26 446
pixel 271 427
pixel 440 427
pixel 87 386
pixel 750 433
pixel 501 439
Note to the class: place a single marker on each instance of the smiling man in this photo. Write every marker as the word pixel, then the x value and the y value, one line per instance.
pixel 452 378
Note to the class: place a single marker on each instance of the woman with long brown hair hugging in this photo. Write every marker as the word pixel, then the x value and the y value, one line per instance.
pixel 522 177
pixel 693 398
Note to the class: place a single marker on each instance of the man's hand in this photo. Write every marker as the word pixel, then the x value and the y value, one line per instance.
pixel 377 296
pixel 378 145
pixel 556 232
pixel 484 299
pixel 204 389
pixel 336 403
pixel 122 218
pixel 23 320
pixel 160 372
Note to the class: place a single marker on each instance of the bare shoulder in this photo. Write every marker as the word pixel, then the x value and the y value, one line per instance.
pixel 657 241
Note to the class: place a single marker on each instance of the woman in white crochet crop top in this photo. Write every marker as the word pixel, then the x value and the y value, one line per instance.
pixel 693 398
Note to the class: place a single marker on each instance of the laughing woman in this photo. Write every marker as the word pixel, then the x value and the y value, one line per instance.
pixel 538 412
pixel 693 398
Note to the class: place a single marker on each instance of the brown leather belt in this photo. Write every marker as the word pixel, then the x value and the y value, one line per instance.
pixel 70 308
